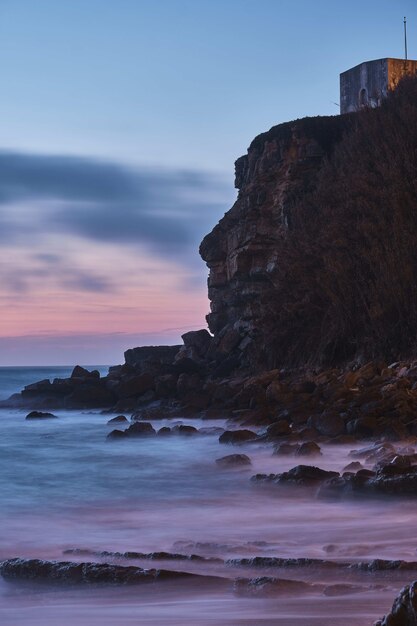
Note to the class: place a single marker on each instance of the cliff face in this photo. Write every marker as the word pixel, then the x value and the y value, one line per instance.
pixel 242 251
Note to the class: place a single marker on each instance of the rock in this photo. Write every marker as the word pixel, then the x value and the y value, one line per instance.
pixel 306 475
pixel 329 424
pixel 76 573
pixel 135 386
pixel 363 427
pixel 116 434
pixel 146 358
pixel 278 429
pixel 36 415
pixel 119 418
pixel 242 251
pixel 166 386
pixel 309 448
pixel 404 609
pixel 286 449
pixel 266 586
pixel 42 386
pixel 354 466
pixel 81 372
pixel 198 339
pixel 237 436
pixel 91 393
pixel 301 475
pixel 140 429
pixel 184 430
pixel 165 431
pixel 188 383
pixel 233 460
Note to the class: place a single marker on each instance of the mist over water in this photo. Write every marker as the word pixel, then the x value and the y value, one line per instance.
pixel 64 486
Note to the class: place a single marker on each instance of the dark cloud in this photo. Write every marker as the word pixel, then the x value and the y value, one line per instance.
pixel 166 210
pixel 54 268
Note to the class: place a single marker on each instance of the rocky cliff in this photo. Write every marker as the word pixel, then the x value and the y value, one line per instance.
pixel 315 263
pixel 242 251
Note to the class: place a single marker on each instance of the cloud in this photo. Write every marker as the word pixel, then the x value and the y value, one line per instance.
pixel 166 210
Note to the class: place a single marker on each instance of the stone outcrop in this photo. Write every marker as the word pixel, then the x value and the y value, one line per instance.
pixel 78 573
pixel 404 609
pixel 242 250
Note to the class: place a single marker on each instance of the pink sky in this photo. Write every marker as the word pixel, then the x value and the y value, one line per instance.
pixel 96 257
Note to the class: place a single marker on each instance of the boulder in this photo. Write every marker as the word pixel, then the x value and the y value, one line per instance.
pixel 119 418
pixel 233 460
pixel 404 609
pixel 198 339
pixel 140 429
pixel 184 430
pixel 308 448
pixel 237 436
pixel 328 424
pixel 135 386
pixel 39 415
pixel 81 372
pixel 281 428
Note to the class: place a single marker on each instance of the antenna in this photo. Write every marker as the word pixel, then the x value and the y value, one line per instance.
pixel 405 37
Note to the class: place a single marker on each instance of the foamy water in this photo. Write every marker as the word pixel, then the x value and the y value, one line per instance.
pixel 64 486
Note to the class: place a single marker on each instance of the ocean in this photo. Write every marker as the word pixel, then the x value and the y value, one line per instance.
pixel 64 486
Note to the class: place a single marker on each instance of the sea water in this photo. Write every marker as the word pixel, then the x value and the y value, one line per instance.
pixel 64 486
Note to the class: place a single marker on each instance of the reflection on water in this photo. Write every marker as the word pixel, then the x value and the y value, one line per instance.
pixel 63 486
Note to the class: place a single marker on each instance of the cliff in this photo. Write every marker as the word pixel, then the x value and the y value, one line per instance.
pixel 243 250
pixel 316 261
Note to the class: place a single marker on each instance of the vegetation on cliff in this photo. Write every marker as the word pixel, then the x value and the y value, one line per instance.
pixel 346 281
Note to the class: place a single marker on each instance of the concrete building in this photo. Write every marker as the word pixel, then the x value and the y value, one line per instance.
pixel 368 83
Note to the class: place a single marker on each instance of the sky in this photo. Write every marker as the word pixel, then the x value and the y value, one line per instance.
pixel 120 122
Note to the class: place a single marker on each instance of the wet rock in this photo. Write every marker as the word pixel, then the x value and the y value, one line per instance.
pixel 118 419
pixel 165 431
pixel 265 586
pixel 344 589
pixel 140 429
pixel 76 573
pixel 404 609
pixel 329 424
pixel 301 475
pixel 237 436
pixel 39 415
pixel 363 427
pixel 184 430
pixel 308 448
pixel 286 449
pixel 278 429
pixel 272 561
pixel 116 434
pixel 373 453
pixel 233 460
pixel 383 565
pixel 40 387
pixel 150 556
pixel 354 466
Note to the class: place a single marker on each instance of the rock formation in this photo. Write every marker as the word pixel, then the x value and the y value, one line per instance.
pixel 242 251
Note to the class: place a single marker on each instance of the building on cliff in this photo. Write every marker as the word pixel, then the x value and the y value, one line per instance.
pixel 366 84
